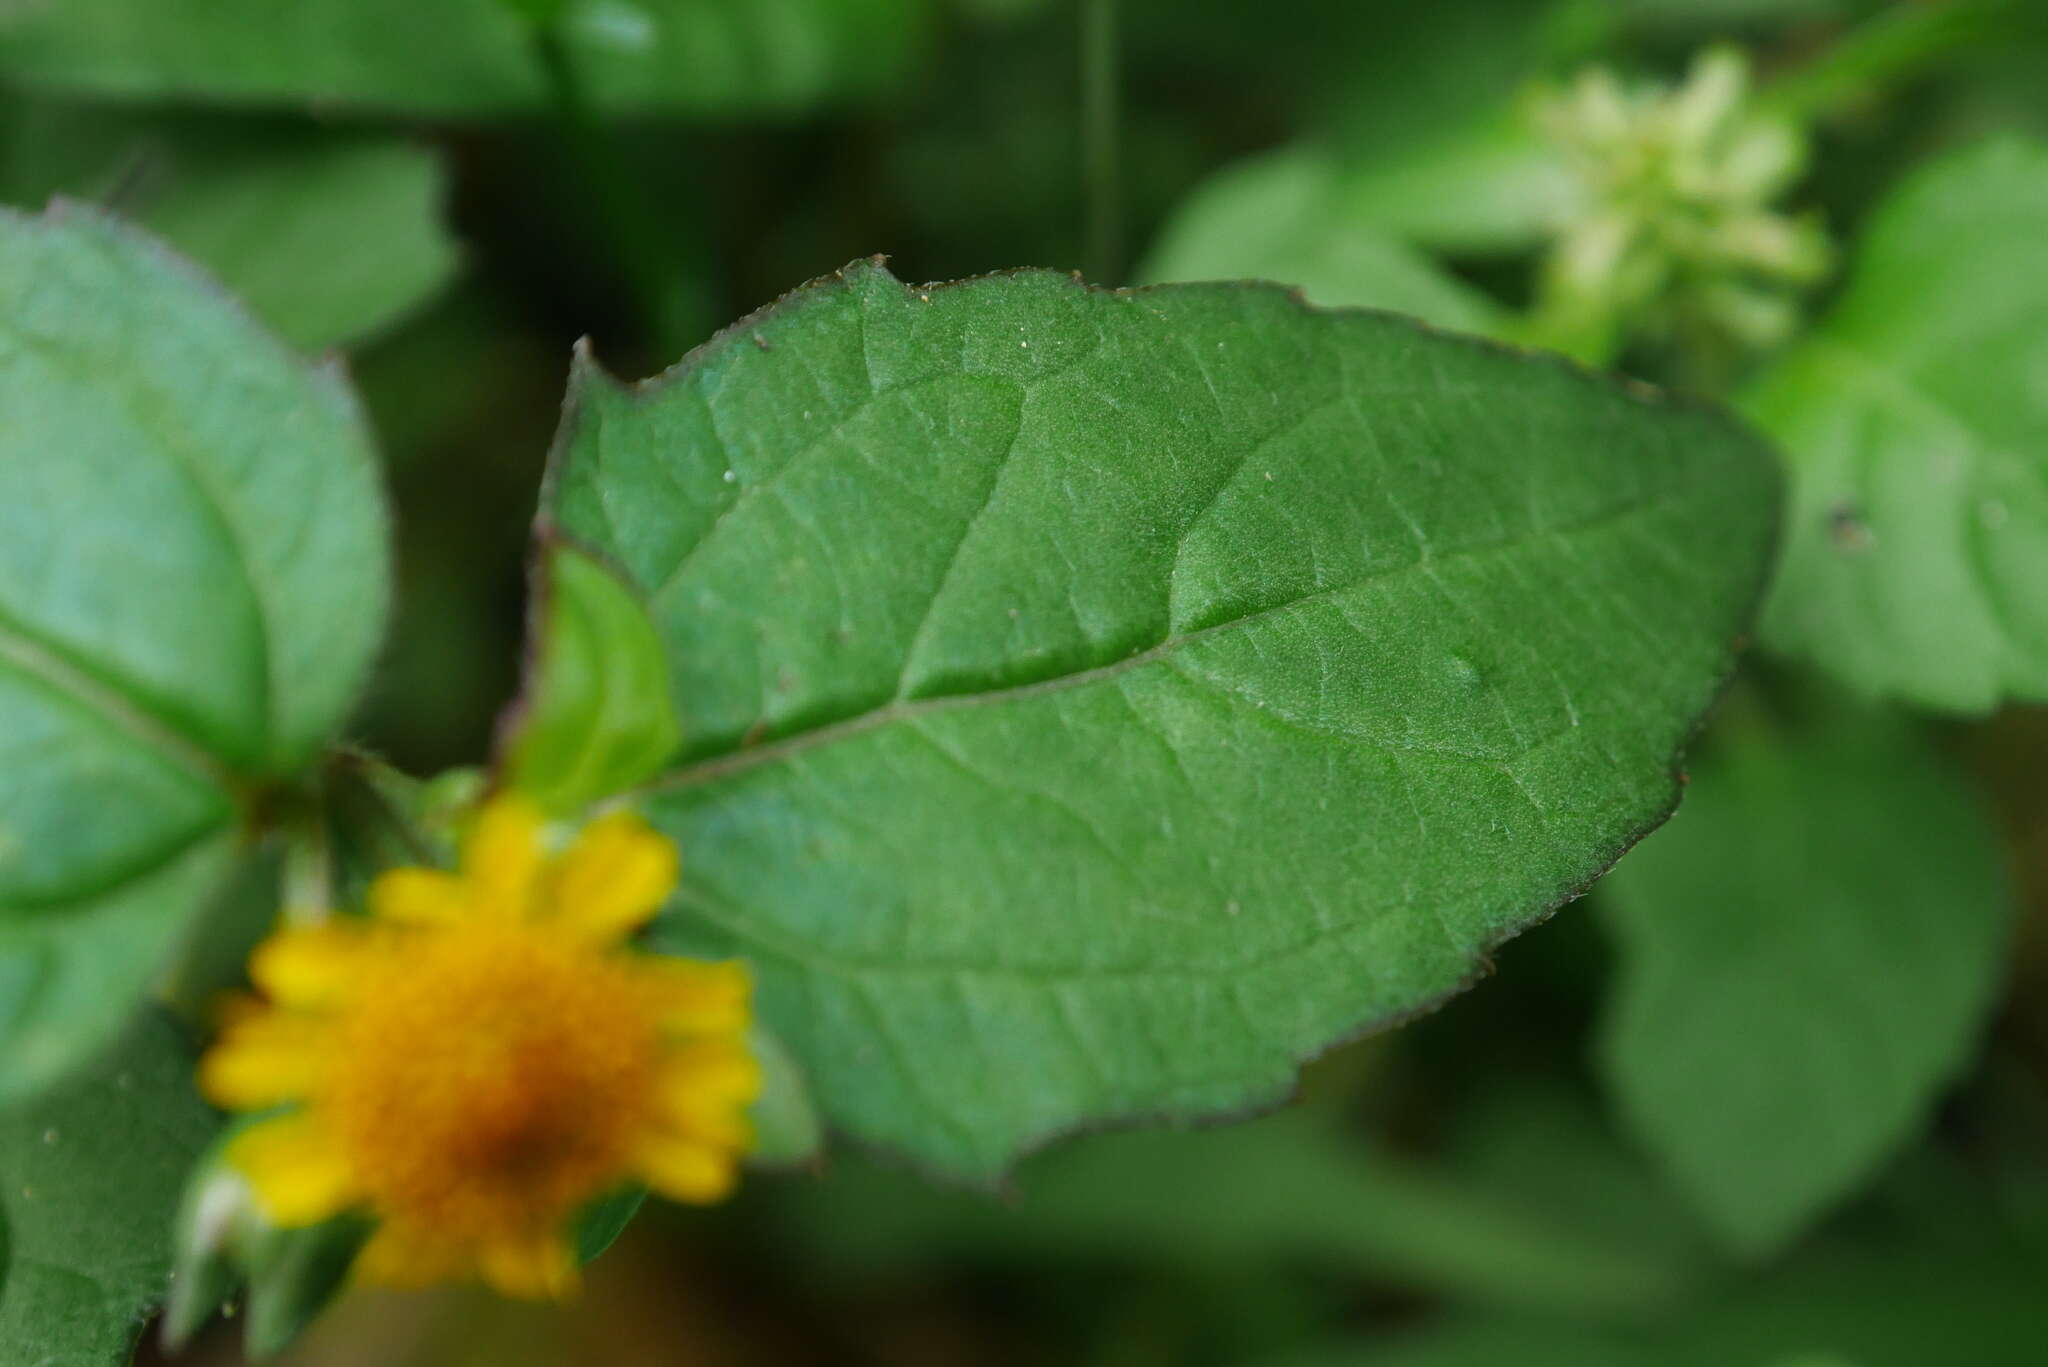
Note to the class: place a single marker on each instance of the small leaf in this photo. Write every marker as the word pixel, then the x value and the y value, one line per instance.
pixel 1807 956
pixel 1916 429
pixel 192 581
pixel 1099 702
pixel 461 57
pixel 293 1275
pixel 1283 217
pixel 596 717
pixel 92 1174
pixel 222 1241
pixel 331 241
pixel 214 1214
pixel 786 1126
pixel 330 238
pixel 605 1219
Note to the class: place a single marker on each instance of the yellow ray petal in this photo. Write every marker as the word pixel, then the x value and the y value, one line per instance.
pixel 399 1255
pixel 531 1267
pixel 501 856
pixel 263 1060
pixel 301 1175
pixel 312 967
pixel 692 996
pixel 418 897
pixel 715 1068
pixel 690 1110
pixel 614 878
pixel 685 1169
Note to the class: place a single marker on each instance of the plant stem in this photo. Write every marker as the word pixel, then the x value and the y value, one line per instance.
pixel 662 285
pixel 1099 140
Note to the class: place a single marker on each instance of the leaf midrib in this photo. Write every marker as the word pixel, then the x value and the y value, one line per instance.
pixel 39 661
pixel 144 403
pixel 725 765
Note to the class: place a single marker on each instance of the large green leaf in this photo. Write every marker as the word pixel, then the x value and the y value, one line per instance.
pixel 1097 702
pixel 1807 955
pixel 460 57
pixel 92 1175
pixel 1916 425
pixel 192 580
pixel 328 237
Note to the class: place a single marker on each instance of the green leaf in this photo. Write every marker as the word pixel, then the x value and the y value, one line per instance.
pixel 597 717
pixel 1887 1306
pixel 460 57
pixel 787 1130
pixel 1807 956
pixel 93 1173
pixel 330 241
pixel 1099 702
pixel 605 1219
pixel 1525 1136
pixel 294 1274
pixel 330 238
pixel 1282 217
pixel 1434 140
pixel 1916 427
pixel 1290 1188
pixel 1492 185
pixel 192 581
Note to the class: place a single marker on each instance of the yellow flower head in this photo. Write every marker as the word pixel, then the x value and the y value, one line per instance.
pixel 482 1056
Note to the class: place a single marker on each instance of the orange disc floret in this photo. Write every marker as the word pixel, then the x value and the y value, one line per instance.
pixel 482 1056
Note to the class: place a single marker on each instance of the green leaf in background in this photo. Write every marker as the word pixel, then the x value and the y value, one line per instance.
pixel 1099 702
pixel 1524 1137
pixel 1915 422
pixel 192 582
pixel 329 238
pixel 1290 1188
pixel 460 57
pixel 597 717
pixel 1492 186
pixel 1807 956
pixel 1283 217
pixel 1433 137
pixel 92 1176
pixel 1348 222
pixel 787 1130
pixel 1883 1307
pixel 1434 147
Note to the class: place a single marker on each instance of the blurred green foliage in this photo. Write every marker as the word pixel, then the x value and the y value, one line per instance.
pixel 1795 1111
